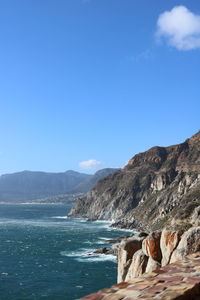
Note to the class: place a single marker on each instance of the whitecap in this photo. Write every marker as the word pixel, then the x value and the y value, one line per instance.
pixel 126 230
pixel 79 253
pixel 81 220
pixel 30 222
pixel 88 255
pixel 97 258
pixel 60 217
pixel 100 242
pixel 89 243
pixel 104 221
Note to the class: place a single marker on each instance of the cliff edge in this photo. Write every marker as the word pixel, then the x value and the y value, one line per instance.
pixel 158 187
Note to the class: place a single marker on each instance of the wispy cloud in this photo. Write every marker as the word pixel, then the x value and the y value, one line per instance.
pixel 180 28
pixel 142 56
pixel 90 164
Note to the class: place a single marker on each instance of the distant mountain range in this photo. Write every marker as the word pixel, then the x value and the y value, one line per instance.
pixel 28 186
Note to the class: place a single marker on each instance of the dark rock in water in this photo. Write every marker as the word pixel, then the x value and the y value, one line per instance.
pixel 101 250
pixel 158 187
pixel 113 250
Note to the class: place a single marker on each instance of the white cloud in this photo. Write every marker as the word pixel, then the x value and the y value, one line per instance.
pixel 90 164
pixel 180 28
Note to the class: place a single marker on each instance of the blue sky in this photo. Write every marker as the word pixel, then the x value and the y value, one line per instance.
pixel 97 80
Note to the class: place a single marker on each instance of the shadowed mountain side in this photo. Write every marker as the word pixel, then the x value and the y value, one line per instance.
pixel 154 187
pixel 90 182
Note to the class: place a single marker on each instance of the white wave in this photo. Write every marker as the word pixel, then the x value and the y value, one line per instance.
pixel 89 242
pixel 82 220
pixel 31 222
pixel 103 221
pixel 88 255
pixel 100 242
pixel 79 220
pixel 60 217
pixel 79 253
pixel 126 230
pixel 97 258
pixel 5 274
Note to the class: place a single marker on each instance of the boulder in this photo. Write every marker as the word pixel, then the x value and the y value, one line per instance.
pixel 168 242
pixel 151 246
pixel 137 266
pixel 189 243
pixel 115 248
pixel 126 251
pixel 101 250
pixel 152 265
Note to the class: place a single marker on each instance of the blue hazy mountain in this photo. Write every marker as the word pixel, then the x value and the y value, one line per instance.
pixel 29 185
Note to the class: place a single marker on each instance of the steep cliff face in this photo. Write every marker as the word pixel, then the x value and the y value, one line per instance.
pixel 157 186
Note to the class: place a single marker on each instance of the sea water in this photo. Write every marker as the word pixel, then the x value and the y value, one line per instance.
pixel 45 255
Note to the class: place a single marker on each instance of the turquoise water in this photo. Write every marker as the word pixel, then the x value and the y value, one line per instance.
pixel 44 255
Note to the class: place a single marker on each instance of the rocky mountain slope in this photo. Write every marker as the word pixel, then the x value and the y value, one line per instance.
pixel 156 187
pixel 27 185
pixel 90 182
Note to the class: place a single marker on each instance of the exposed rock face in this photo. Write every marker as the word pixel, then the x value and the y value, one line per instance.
pixel 169 241
pixel 179 281
pixel 152 265
pixel 151 246
pixel 156 250
pixel 156 187
pixel 189 243
pixel 138 265
pixel 126 251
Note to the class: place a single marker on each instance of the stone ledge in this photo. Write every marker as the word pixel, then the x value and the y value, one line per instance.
pixel 177 281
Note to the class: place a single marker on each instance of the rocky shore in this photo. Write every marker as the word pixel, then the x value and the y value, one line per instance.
pixel 178 281
pixel 161 265
pixel 144 253
pixel 141 254
pixel 158 194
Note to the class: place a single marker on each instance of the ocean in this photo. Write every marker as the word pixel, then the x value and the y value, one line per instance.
pixel 45 255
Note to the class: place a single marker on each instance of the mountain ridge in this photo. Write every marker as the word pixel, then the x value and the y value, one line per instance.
pixel 34 185
pixel 150 190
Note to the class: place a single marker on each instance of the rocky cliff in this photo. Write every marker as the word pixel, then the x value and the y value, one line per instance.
pixel 157 187
pixel 140 254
